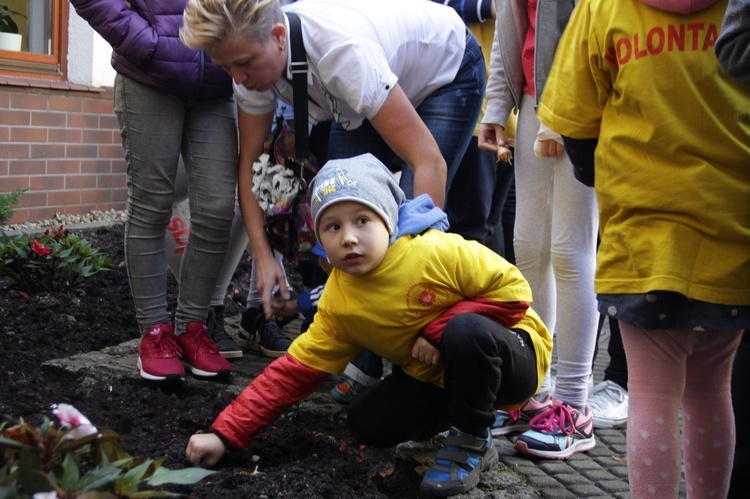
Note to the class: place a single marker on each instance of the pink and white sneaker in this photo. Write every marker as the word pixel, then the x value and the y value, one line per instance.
pixel 558 433
pixel 518 420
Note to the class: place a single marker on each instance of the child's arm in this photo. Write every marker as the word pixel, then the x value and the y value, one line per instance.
pixel 506 313
pixel 284 382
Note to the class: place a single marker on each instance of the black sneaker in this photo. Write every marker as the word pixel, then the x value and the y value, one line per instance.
pixel 261 334
pixel 218 333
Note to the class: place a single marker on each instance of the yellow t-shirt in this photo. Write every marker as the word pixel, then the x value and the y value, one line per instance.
pixel 673 159
pixel 385 310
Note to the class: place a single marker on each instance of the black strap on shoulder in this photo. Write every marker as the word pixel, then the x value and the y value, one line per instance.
pixel 299 86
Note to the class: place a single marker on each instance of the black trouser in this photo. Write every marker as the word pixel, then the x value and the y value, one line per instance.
pixel 486 365
pixel 617 369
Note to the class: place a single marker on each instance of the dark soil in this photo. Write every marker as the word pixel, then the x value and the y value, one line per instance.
pixel 305 454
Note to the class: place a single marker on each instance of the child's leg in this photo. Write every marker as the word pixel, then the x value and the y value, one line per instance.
pixel 739 486
pixel 238 244
pixel 708 420
pixel 362 372
pixel 656 368
pixel 654 450
pixel 486 365
pixel 397 409
pixel 365 368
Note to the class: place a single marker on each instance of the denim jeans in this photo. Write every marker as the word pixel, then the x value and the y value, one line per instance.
pixel 486 365
pixel 470 197
pixel 156 128
pixel 450 113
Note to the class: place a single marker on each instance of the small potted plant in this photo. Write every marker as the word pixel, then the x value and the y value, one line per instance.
pixel 10 39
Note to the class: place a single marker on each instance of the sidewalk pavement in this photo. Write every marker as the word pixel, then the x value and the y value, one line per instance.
pixel 601 472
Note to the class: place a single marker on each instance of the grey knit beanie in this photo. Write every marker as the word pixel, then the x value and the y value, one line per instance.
pixel 363 179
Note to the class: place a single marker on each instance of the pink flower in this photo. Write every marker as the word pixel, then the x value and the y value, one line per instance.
pixel 40 249
pixel 70 417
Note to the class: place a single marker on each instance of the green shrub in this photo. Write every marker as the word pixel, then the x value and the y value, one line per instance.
pixel 72 458
pixel 7 201
pixel 55 261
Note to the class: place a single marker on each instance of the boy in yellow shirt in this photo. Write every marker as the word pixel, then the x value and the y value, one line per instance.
pixel 452 317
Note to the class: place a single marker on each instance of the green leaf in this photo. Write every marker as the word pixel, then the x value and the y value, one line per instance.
pixel 69 479
pixel 9 442
pixel 154 493
pixel 138 473
pixel 98 478
pixel 184 476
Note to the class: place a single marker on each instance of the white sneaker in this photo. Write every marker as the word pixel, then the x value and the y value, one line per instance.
pixel 609 405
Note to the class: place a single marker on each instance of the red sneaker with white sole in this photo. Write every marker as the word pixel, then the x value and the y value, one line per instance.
pixel 201 354
pixel 159 355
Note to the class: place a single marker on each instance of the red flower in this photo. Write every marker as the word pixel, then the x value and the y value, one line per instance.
pixel 40 249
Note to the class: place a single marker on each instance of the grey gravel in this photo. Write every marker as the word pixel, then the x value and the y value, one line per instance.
pixel 92 219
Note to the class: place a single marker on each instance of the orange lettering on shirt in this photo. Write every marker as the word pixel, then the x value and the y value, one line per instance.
pixel 712 33
pixel 655 40
pixel 623 43
pixel 701 37
pixel 639 52
pixel 673 38
pixel 695 29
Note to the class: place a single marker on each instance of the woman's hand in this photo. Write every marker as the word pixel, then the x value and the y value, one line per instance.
pixel 272 284
pixel 491 136
pixel 425 352
pixel 205 449
pixel 253 130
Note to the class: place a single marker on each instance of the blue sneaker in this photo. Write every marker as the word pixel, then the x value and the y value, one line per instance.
pixel 458 464
pixel 346 391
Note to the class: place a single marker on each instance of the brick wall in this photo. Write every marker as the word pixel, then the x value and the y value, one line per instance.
pixel 62 142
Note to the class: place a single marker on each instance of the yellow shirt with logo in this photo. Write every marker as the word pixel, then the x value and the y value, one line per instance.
pixel 385 310
pixel 673 158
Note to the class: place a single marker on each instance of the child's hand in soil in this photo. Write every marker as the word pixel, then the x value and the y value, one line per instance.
pixel 205 449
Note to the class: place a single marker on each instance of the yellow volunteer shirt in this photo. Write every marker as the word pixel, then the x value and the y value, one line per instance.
pixel 673 159
pixel 385 310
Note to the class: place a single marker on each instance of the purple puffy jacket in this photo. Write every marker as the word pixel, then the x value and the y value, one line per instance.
pixel 145 38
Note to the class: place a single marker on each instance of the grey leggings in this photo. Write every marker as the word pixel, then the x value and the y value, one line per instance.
pixel 155 129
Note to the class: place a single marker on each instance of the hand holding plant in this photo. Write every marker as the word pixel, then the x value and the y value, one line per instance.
pixel 56 261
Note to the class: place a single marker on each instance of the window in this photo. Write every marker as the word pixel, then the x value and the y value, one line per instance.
pixel 39 48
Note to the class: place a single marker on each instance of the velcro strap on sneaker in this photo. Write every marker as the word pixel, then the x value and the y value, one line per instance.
pixel 459 457
pixel 466 442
